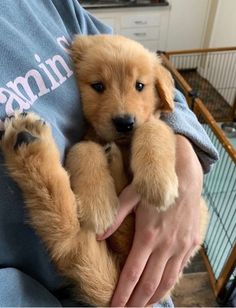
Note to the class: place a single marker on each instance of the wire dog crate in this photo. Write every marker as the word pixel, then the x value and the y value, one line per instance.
pixel 208 80
pixel 211 74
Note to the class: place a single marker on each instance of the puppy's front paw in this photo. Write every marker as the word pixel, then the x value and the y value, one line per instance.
pixel 27 139
pixel 161 191
pixel 116 166
pixel 98 205
pixel 105 211
pixel 93 184
pixel 153 164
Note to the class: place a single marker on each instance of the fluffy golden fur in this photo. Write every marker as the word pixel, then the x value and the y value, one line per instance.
pixel 68 208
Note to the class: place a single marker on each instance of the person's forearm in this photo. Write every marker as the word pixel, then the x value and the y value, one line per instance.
pixel 188 167
pixel 183 121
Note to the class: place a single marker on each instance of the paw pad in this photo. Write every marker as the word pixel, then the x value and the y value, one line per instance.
pixel 24 138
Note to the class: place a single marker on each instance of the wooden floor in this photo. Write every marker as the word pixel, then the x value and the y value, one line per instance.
pixel 194 289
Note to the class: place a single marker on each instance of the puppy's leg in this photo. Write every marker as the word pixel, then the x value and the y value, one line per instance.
pixel 116 166
pixel 120 241
pixel 153 163
pixel 33 161
pixel 93 184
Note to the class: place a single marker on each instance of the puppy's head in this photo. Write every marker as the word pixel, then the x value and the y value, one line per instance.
pixel 121 83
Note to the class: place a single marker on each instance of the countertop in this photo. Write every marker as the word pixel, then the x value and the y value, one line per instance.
pixel 106 4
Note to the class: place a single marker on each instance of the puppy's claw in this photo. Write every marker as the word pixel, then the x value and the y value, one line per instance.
pixel 2 132
pixel 107 147
pixel 24 138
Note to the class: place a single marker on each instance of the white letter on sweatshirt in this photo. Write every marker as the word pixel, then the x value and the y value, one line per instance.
pixel 52 63
pixel 12 101
pixel 23 82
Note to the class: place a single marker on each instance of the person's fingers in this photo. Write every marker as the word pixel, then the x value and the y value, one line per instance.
pixel 129 195
pixel 149 280
pixel 131 273
pixel 169 278
pixel 128 201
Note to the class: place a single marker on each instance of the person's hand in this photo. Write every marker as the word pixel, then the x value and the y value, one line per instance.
pixel 163 242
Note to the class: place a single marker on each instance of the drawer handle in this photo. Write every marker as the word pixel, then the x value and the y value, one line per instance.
pixel 140 33
pixel 140 22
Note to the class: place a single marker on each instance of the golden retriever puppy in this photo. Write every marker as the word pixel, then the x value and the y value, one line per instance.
pixel 124 88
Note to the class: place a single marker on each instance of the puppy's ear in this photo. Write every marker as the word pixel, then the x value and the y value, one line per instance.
pixel 165 88
pixel 79 47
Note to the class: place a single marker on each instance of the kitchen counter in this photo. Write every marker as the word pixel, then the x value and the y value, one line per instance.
pixel 106 4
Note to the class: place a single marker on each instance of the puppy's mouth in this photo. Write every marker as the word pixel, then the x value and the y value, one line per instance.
pixel 123 138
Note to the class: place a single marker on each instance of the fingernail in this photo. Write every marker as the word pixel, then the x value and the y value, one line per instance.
pixel 103 236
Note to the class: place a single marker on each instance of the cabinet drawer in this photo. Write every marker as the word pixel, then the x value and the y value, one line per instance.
pixel 140 21
pixel 151 45
pixel 151 33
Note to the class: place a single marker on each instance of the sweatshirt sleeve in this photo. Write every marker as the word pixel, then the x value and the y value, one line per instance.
pixel 184 122
pixel 77 20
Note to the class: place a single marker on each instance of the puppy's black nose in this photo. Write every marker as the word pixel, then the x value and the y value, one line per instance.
pixel 124 123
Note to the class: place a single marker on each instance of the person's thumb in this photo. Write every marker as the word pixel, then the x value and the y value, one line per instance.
pixel 129 199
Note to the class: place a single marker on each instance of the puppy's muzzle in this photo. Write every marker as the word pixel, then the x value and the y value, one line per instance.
pixel 124 123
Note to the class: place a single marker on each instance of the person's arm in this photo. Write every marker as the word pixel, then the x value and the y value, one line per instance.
pixel 79 21
pixel 184 122
pixel 164 241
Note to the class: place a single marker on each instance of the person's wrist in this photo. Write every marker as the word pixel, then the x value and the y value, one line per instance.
pixel 188 167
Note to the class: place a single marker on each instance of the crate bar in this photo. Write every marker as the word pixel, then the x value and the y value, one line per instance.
pixel 199 108
pixel 227 271
pixel 182 82
pixel 210 271
pixel 206 50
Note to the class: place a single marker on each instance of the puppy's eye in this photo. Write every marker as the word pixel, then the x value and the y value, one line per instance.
pixel 139 86
pixel 98 87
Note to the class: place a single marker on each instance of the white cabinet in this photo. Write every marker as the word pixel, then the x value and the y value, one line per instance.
pixel 147 25
pixel 142 34
pixel 181 25
pixel 141 20
pixel 144 28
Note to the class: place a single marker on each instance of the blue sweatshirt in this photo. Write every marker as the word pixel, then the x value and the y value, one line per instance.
pixel 36 75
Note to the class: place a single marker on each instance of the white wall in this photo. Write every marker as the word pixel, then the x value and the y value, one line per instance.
pixel 224 27
pixel 188 19
pixel 220 31
pixel 223 34
pixel 201 23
